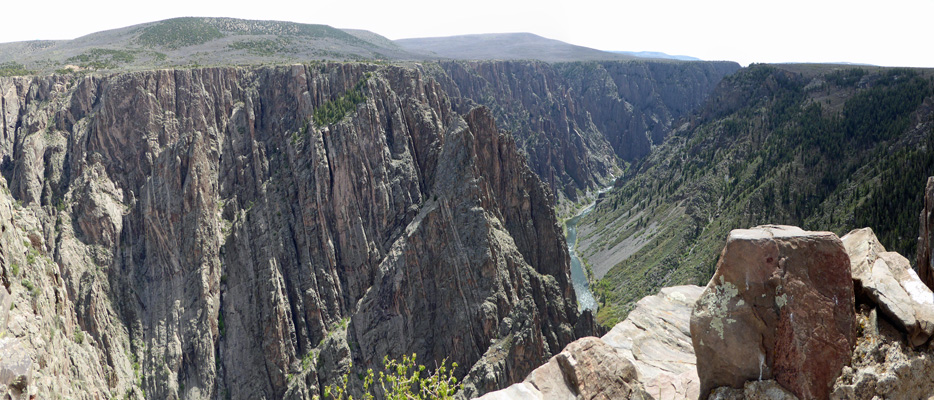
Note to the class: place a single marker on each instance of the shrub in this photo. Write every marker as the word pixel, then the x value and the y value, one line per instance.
pixel 403 381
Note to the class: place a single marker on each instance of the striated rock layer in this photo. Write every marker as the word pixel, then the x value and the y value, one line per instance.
pixel 195 233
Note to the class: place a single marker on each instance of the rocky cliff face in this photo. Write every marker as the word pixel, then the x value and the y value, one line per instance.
pixel 926 236
pixel 192 233
pixel 579 122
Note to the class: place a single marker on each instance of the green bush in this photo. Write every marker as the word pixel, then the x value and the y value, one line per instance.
pixel 403 381
pixel 33 290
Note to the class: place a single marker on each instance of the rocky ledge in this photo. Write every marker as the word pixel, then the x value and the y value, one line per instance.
pixel 789 314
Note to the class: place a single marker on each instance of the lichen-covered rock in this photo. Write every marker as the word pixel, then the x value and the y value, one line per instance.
pixel 780 306
pixel 886 279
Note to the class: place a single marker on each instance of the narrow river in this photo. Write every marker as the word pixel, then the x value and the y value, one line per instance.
pixel 585 299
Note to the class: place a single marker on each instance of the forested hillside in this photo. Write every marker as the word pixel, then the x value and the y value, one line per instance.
pixel 820 147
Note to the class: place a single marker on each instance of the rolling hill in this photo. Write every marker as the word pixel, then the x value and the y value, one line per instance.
pixel 506 46
pixel 193 41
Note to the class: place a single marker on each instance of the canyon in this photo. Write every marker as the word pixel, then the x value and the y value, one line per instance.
pixel 174 230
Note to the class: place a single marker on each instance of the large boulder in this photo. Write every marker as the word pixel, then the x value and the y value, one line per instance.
pixel 886 278
pixel 780 306
pixel 656 338
pixel 926 237
pixel 588 368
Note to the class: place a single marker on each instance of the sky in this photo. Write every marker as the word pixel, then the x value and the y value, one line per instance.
pixel 887 33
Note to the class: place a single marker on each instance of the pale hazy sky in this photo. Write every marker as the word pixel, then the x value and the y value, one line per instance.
pixel 881 32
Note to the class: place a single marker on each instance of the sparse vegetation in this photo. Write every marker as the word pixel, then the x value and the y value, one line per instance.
pixel 333 111
pixel 261 47
pixel 178 32
pixel 103 58
pixel 221 325
pixel 13 69
pixel 32 289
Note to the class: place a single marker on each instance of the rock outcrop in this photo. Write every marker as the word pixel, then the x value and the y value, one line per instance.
pixel 780 306
pixel 926 238
pixel 587 369
pixel 753 390
pixel 15 370
pixel 884 365
pixel 656 338
pixel 887 280
pixel 650 356
pixel 200 233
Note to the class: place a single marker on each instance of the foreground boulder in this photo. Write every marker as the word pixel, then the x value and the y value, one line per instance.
pixel 647 356
pixel 780 306
pixel 926 237
pixel 887 280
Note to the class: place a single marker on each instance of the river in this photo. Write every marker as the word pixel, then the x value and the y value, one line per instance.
pixel 585 299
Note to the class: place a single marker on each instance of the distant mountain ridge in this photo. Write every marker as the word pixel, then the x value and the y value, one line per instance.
pixel 205 41
pixel 658 55
pixel 506 46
